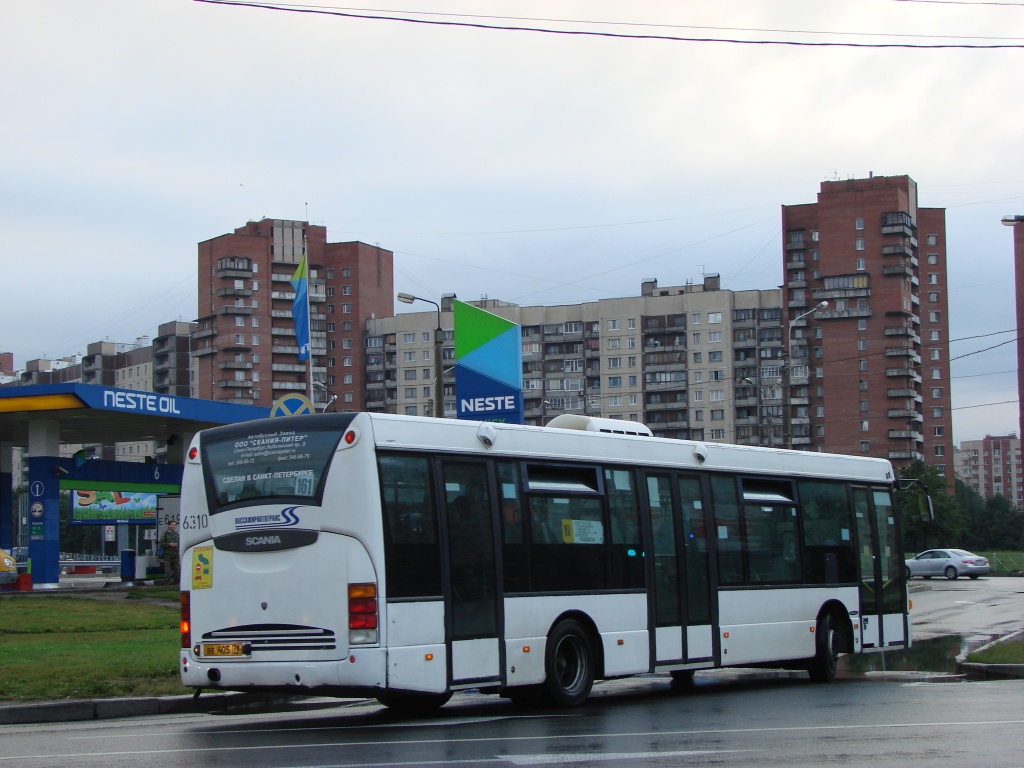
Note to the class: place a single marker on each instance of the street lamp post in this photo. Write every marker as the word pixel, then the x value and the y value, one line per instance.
pixel 408 298
pixel 331 397
pixel 787 366
pixel 760 406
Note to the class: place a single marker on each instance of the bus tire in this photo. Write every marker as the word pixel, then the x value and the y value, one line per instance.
pixel 569 664
pixel 826 656
pixel 412 704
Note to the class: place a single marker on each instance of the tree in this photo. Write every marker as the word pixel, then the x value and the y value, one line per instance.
pixel 1004 524
pixel 951 522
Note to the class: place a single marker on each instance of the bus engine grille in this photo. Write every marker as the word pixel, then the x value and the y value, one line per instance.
pixel 276 637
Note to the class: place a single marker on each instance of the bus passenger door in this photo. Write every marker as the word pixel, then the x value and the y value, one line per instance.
pixel 682 585
pixel 882 586
pixel 471 588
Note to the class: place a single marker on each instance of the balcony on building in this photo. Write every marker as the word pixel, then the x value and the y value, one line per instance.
pixel 903 249
pixel 906 414
pixel 913 394
pixel 231 309
pixel 222 292
pixel 237 365
pixel 293 386
pixel 898 223
pixel 234 266
pixel 796 261
pixel 906 434
pixel 898 270
pixel 235 383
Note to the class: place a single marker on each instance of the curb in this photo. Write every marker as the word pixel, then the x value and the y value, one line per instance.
pixel 103 709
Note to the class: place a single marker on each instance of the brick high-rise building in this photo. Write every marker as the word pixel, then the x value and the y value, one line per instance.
pixel 1017 222
pixel 872 366
pixel 245 345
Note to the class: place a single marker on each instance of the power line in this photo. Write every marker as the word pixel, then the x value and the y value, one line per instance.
pixel 369 16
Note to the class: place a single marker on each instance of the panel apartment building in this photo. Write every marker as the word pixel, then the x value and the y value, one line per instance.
pixel 690 361
pixel 992 467
pixel 872 366
pixel 245 348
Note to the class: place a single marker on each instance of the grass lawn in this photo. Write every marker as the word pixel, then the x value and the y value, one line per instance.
pixel 1006 652
pixel 55 647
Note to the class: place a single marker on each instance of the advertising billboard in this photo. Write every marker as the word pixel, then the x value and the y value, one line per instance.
pixel 110 507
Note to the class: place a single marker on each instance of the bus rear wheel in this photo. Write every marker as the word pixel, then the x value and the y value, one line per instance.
pixel 569 664
pixel 827 643
pixel 412 704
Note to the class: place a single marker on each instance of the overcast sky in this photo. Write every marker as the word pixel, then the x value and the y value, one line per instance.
pixel 526 166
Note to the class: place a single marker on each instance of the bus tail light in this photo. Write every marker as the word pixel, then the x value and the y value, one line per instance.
pixel 362 614
pixel 186 621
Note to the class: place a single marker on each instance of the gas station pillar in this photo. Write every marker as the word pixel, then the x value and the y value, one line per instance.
pixel 44 500
pixel 6 496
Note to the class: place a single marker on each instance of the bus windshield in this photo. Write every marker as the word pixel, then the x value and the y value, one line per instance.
pixel 257 462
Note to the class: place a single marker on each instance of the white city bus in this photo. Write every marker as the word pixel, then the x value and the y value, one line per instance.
pixel 405 558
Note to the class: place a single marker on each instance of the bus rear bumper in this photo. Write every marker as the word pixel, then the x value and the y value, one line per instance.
pixel 364 670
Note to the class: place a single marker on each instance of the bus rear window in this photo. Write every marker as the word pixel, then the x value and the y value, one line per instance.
pixel 261 463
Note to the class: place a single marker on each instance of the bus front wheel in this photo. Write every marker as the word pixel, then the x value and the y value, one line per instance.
pixel 569 664
pixel 826 657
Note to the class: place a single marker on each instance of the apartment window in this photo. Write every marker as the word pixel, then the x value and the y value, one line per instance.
pixel 698 415
pixel 714 317
pixel 718 434
pixel 714 337
pixel 858 224
pixel 347 397
pixel 239 320
pixel 330 290
pixel 861 265
pixel 631 342
pixel 933 258
pixel 426 355
pixel 407 375
pixel 346 290
pixel 615 400
pixel 409 357
pixel 939 430
pixel 696 318
pixel 936 393
pixel 819 411
pixel 410 410
pixel 715 357
pixel 864 426
pixel 346 309
pixel 346 343
pixel 698 396
pixel 933 297
pixel 632 383
pixel 425 373
pixel 865 446
pixel 862 344
pixel 613 325
pixel 346 379
pixel 933 278
pixel 934 317
pixel 860 243
pixel 631 323
pixel 863 406
pixel 940 450
pixel 614 382
pixel 346 272
pixel 717 395
pixel 632 361
pixel 933 239
pixel 936 354
pixel 633 400
pixel 717 414
pixel 410 393
pixel 408 338
pixel 697 357
pixel 255 340
pixel 936 373
pixel 863 385
pixel 346 361
pixel 697 376
pixel 346 325
pixel 937 412
pixel 614 343
pixel 255 322
pixel 614 362
pixel 696 338
pixel 934 335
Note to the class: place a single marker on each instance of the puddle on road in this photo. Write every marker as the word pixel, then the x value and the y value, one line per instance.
pixel 934 655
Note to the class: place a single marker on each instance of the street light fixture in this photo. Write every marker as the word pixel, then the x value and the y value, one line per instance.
pixel 331 397
pixel 760 406
pixel 787 366
pixel 408 298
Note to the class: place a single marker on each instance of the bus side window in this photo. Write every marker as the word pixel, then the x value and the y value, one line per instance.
pixel 412 551
pixel 516 567
pixel 730 535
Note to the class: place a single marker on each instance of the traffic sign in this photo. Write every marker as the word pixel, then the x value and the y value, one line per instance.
pixel 292 404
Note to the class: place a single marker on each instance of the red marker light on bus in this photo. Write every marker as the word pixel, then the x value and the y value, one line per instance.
pixel 192 453
pixel 350 437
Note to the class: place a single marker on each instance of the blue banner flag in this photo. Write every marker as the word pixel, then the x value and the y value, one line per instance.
pixel 300 307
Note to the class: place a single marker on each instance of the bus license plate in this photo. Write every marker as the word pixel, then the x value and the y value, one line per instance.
pixel 224 649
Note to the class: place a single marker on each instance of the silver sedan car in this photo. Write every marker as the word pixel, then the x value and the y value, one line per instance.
pixel 947 562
